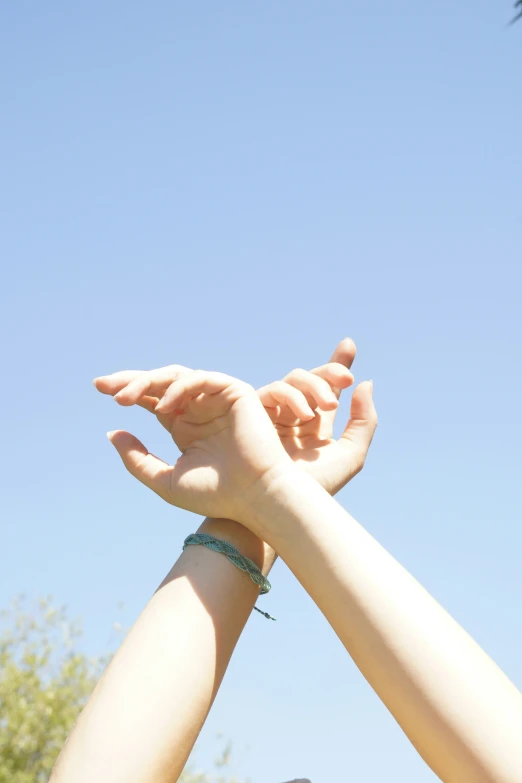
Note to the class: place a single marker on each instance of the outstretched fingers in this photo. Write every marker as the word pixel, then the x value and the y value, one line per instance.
pixel 129 387
pixel 110 384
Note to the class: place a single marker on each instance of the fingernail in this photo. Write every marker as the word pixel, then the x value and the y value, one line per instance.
pixel 110 434
pixel 371 386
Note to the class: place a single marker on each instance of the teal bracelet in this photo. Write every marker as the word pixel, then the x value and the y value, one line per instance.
pixel 235 557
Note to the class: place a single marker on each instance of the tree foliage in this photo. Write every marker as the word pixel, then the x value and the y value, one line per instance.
pixel 44 683
pixel 45 680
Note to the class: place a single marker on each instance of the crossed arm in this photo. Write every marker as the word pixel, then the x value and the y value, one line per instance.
pixel 458 709
pixel 144 716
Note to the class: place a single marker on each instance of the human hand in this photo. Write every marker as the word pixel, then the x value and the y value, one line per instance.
pixel 229 446
pixel 306 438
pixel 310 443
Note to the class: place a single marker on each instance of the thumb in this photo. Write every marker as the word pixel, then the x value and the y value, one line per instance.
pixel 363 422
pixel 147 468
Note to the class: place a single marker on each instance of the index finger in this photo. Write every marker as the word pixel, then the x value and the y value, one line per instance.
pixel 154 381
pixel 345 352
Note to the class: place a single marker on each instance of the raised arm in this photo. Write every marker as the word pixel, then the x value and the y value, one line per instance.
pixel 142 721
pixel 456 706
pixel 146 712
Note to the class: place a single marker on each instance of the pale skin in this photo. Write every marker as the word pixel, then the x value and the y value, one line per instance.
pixel 146 713
pixel 455 705
pixel 459 710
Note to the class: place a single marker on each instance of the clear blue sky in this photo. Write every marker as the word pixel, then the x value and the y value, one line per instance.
pixel 236 186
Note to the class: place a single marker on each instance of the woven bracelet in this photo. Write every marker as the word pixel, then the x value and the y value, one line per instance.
pixel 235 557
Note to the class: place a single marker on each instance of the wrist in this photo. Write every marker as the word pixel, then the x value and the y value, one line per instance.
pixel 277 500
pixel 245 541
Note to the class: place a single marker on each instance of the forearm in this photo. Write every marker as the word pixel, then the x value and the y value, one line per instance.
pixel 456 706
pixel 147 710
